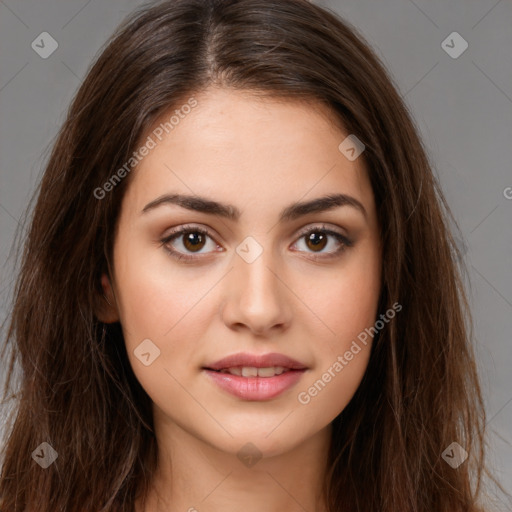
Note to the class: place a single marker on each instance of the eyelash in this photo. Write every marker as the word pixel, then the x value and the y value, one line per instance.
pixel 343 240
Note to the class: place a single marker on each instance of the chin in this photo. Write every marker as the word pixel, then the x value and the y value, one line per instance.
pixel 262 442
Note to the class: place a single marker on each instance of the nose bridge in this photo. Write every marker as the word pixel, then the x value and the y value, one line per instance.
pixel 253 267
pixel 256 293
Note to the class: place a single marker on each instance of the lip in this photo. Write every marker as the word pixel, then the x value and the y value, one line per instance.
pixel 256 361
pixel 256 388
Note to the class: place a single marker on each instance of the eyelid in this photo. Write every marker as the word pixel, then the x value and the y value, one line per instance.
pixel 344 240
pixel 320 227
pixel 179 231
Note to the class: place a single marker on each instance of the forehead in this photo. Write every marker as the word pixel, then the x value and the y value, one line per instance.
pixel 236 145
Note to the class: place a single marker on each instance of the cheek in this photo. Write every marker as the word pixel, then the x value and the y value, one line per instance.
pixel 343 351
pixel 169 307
pixel 346 300
pixel 347 303
pixel 155 295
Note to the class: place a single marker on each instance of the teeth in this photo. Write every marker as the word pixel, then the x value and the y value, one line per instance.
pixel 251 371
pixel 270 372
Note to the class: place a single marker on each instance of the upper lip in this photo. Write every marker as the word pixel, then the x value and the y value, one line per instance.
pixel 256 361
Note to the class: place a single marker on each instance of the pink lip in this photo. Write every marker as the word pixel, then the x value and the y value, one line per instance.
pixel 256 361
pixel 256 388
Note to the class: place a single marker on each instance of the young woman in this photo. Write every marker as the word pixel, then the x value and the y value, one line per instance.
pixel 239 290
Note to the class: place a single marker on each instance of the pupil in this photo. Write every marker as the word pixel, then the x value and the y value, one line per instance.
pixel 192 239
pixel 320 241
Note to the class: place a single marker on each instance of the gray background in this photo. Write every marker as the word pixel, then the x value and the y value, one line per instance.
pixel 462 106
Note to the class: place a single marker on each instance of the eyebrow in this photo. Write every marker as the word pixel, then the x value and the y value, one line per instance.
pixel 228 211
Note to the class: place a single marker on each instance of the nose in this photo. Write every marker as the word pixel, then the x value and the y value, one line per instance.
pixel 257 297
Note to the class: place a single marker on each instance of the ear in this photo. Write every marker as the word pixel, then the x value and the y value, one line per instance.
pixel 106 309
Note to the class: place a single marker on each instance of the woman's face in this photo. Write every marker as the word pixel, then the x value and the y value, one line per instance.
pixel 263 284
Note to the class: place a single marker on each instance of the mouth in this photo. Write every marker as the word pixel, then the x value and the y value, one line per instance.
pixel 255 377
pixel 253 371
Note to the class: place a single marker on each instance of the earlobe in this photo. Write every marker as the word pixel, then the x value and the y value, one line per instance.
pixel 106 310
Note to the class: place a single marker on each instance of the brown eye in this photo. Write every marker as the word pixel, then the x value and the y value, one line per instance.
pixel 316 240
pixel 182 243
pixel 193 240
pixel 187 243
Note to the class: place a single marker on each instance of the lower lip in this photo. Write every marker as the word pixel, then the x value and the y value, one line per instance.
pixel 256 388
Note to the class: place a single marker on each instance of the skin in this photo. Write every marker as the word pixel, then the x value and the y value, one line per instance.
pixel 260 155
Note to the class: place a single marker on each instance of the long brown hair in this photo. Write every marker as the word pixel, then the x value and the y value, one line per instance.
pixel 76 389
